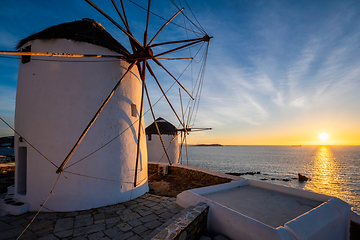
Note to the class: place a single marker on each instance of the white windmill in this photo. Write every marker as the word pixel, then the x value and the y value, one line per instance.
pixel 68 112
pixel 168 134
pixel 170 139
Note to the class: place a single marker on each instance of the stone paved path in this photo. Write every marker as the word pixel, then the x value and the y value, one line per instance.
pixel 136 219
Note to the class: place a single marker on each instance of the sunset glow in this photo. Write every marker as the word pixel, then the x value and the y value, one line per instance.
pixel 283 83
pixel 323 136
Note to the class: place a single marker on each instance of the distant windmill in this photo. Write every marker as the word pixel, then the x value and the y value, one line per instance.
pixel 169 136
pixel 65 108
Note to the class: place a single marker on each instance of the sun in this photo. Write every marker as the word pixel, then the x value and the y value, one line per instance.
pixel 323 136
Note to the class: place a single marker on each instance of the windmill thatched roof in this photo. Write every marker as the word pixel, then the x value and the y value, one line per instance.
pixel 164 126
pixel 85 30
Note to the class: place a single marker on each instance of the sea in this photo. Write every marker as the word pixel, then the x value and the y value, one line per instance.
pixel 332 170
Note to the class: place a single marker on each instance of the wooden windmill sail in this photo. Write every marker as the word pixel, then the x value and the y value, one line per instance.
pixel 129 74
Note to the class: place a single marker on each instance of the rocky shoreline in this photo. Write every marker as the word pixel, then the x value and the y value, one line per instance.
pixel 300 178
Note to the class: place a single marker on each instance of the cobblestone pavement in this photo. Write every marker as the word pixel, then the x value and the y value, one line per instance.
pixel 136 219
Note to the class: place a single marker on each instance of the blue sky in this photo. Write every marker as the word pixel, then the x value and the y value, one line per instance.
pixel 278 72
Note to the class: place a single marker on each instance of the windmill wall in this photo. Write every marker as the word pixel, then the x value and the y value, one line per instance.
pixel 156 151
pixel 55 101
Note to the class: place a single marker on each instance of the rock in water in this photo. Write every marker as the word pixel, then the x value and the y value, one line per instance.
pixel 302 178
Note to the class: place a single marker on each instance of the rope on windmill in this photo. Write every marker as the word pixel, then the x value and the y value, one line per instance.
pixel 42 206
pixel 104 179
pixel 28 142
pixel 200 28
pixel 164 18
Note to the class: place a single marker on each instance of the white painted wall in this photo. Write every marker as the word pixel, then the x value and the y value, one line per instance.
pixel 330 220
pixel 225 221
pixel 54 103
pixel 156 151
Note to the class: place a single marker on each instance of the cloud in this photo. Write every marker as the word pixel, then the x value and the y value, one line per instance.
pixel 299 102
pixel 314 70
pixel 265 84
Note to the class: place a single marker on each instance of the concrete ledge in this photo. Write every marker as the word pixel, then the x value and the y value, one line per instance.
pixel 323 222
pixel 329 220
pixel 13 207
pixel 190 223
pixel 231 224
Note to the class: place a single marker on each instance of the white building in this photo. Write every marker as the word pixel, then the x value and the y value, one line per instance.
pixel 56 99
pixel 168 133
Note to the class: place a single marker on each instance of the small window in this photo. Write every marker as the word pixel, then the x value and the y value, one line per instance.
pixel 133 110
pixel 149 137
pixel 26 59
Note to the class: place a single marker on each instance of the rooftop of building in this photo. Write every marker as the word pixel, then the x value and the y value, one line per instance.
pixel 85 30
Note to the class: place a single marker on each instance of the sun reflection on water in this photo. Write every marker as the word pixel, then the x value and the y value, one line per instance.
pixel 325 176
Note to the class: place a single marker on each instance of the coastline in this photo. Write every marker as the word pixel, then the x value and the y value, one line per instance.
pixel 144 217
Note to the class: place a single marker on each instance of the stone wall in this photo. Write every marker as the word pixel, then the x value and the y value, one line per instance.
pixel 189 224
pixel 191 174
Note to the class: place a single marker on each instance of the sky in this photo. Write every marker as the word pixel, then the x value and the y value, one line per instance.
pixel 277 72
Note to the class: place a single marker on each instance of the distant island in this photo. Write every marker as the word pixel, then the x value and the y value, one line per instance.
pixel 208 145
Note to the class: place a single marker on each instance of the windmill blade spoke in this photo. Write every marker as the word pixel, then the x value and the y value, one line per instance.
pixel 139 69
pixel 187 155
pixel 200 130
pixel 122 18
pixel 147 24
pixel 61 168
pixel 175 58
pixel 176 136
pixel 181 146
pixel 144 63
pixel 156 125
pixel 159 63
pixel 125 18
pixel 172 108
pixel 140 117
pixel 190 129
pixel 165 25
pixel 182 109
pixel 115 23
pixel 205 39
pixel 185 129
pixel 178 48
pixel 50 54
pixel 126 23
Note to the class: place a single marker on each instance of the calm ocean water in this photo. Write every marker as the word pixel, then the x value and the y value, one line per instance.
pixel 333 170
